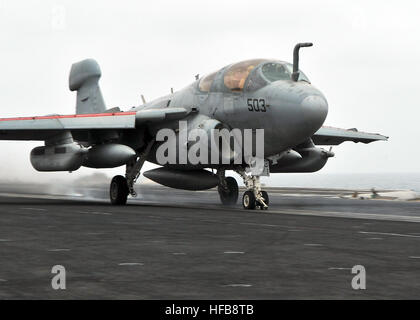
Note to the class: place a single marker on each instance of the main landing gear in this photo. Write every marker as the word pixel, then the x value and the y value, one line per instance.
pixel 118 192
pixel 121 186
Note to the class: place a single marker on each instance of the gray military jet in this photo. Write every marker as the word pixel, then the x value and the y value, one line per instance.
pixel 250 95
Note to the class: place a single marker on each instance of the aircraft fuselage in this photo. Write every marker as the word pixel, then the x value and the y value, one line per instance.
pixel 290 112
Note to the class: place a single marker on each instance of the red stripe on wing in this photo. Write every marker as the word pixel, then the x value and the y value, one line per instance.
pixel 91 115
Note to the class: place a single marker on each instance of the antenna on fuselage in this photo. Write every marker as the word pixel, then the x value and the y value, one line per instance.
pixel 295 74
pixel 143 99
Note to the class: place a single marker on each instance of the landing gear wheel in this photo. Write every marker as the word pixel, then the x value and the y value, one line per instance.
pixel 264 194
pixel 118 191
pixel 248 200
pixel 230 195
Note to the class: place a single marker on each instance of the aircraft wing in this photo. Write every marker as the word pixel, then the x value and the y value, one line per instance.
pixel 45 127
pixel 334 136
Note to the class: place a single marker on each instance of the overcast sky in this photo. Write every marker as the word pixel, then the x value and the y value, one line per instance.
pixel 365 60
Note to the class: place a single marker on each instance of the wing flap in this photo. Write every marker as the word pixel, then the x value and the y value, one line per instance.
pixel 335 136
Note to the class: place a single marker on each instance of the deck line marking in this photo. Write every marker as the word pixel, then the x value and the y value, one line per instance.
pixel 353 215
pixel 245 285
pixel 259 224
pixel 390 234
pixel 95 212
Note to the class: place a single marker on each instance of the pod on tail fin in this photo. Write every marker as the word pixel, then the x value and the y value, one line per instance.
pixel 84 78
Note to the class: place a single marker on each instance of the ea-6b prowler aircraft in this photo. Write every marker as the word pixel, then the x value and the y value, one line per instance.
pixel 255 94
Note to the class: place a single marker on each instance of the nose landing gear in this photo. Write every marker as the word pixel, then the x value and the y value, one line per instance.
pixel 248 200
pixel 254 197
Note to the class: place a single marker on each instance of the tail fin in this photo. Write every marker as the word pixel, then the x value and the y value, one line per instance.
pixel 84 77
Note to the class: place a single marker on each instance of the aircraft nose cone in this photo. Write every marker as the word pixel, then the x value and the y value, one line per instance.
pixel 315 109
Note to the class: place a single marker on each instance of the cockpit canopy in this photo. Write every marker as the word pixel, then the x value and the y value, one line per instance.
pixel 207 81
pixel 251 75
pixel 236 74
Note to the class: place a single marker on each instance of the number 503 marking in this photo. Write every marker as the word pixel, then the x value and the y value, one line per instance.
pixel 257 105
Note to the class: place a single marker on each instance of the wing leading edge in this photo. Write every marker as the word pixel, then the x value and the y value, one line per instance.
pixel 335 136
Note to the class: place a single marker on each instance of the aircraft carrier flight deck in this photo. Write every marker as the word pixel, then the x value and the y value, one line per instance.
pixel 171 244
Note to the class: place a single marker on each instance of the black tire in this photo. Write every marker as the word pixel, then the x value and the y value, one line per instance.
pixel 264 194
pixel 248 200
pixel 230 196
pixel 118 191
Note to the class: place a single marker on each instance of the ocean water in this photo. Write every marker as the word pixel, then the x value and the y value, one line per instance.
pixel 392 181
